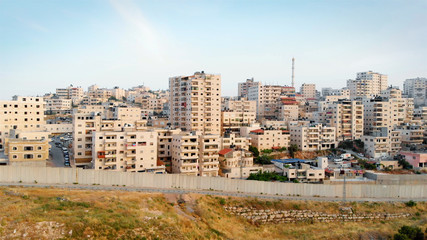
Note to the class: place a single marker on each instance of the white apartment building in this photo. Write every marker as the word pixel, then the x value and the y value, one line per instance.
pixel 208 155
pixel 195 102
pixel 59 105
pixel 185 154
pixel 312 137
pixel 269 138
pixel 411 133
pixel 416 88
pixel 243 90
pixel 126 151
pixel 382 143
pixel 367 84
pixel 308 90
pixel 70 92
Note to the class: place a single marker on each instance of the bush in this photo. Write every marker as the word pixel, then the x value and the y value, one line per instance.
pixel 268 151
pixel 264 159
pixel 254 151
pixel 222 201
pixel 267 176
pixel 405 164
pixel 293 149
pixel 411 204
pixel 409 233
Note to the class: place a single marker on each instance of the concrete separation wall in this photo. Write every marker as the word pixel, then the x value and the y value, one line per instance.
pixel 46 175
pixel 403 179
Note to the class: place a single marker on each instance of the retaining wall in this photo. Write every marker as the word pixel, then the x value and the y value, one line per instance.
pixel 46 175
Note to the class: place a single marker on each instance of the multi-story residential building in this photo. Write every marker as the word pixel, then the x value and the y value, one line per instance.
pixel 233 121
pixel 185 154
pixel 367 84
pixel 288 110
pixel 127 151
pixel 164 147
pixel 238 105
pixel 237 163
pixel 231 140
pixel 195 102
pixel 412 134
pixel 208 155
pixel 343 92
pixel 244 87
pixel 386 112
pixel 382 143
pixel 312 137
pixel 308 90
pixel 416 88
pixel 59 105
pixel 267 98
pixel 27 148
pixel 347 117
pixel 22 113
pixel 269 138
pixel 70 92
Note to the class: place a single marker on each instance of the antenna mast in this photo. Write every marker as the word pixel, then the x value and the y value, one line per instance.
pixel 293 72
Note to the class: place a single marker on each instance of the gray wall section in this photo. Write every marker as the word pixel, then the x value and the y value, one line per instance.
pixel 402 179
pixel 46 175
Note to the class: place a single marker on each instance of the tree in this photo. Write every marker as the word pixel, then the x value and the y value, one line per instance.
pixel 405 164
pixel 263 159
pixel 254 151
pixel 112 98
pixel 292 149
pixel 409 233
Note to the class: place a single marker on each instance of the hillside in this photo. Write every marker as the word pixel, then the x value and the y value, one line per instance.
pixel 36 213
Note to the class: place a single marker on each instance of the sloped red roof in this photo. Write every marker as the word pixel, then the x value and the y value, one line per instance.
pixel 225 151
pixel 258 131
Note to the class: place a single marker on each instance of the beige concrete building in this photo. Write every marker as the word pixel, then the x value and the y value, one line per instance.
pixel 382 143
pixel 288 110
pixel 367 84
pixel 347 117
pixel 208 155
pixel 237 163
pixel 304 173
pixel 27 148
pixel 412 134
pixel 22 113
pixel 185 154
pixel 126 151
pixel 238 105
pixel 267 98
pixel 312 137
pixel 231 140
pixel 308 90
pixel 386 112
pixel 243 90
pixel 268 139
pixel 195 102
pixel 59 105
pixel 164 147
pixel 233 121
pixel 70 92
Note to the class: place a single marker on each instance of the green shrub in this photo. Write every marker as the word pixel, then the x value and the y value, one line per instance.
pixel 411 204
pixel 222 201
pixel 409 233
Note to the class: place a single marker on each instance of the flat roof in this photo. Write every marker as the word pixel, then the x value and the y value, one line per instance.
pixel 291 160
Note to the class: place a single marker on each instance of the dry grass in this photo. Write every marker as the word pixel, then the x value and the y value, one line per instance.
pixel 128 215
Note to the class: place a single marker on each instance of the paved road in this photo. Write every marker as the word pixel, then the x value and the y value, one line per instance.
pixel 354 153
pixel 56 158
pixel 206 192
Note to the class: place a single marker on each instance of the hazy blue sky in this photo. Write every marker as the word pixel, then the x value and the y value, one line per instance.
pixel 54 43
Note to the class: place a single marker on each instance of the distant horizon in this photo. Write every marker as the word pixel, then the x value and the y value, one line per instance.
pixel 50 44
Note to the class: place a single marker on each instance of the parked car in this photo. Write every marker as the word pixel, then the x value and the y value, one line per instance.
pixel 67 164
